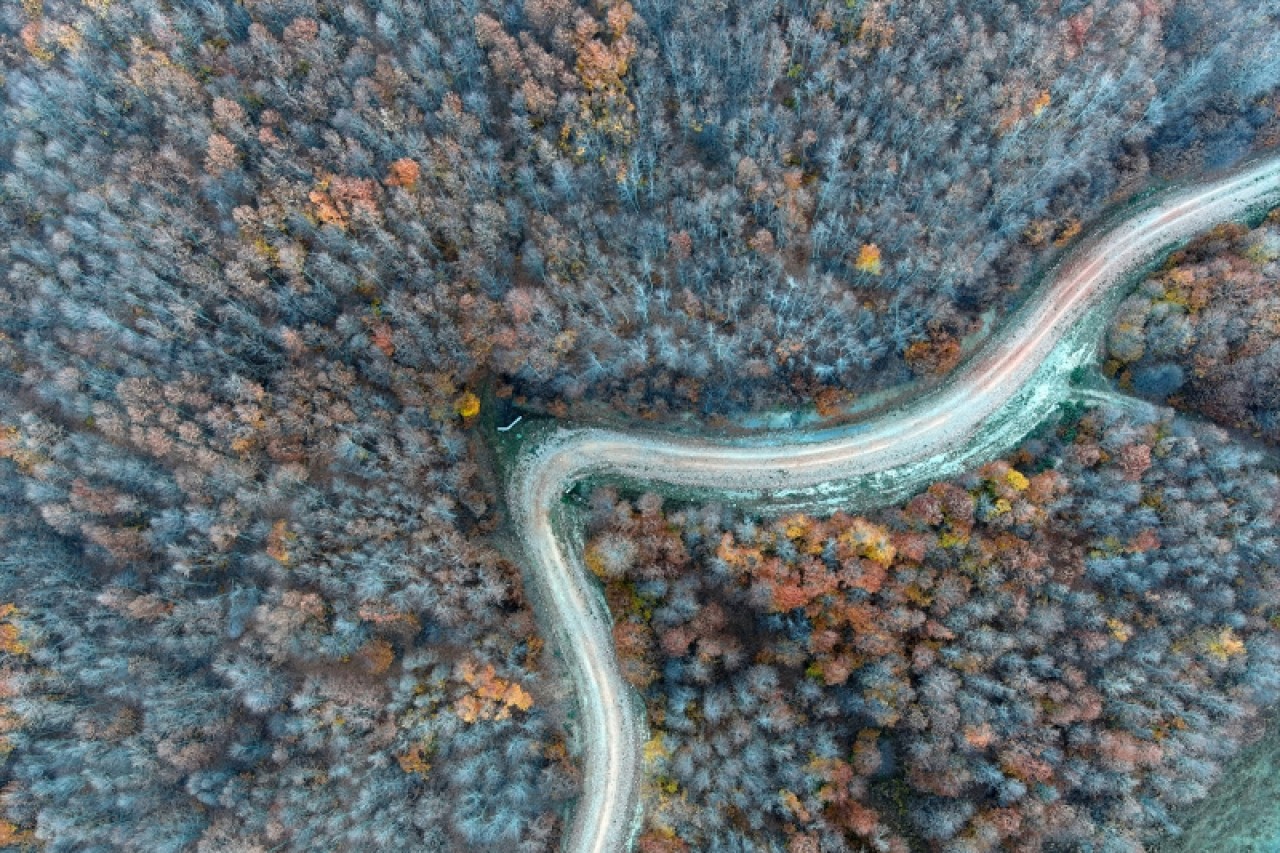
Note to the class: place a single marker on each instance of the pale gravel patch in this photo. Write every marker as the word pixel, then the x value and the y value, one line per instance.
pixel 1002 393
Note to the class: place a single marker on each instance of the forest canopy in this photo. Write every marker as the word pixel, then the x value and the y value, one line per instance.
pixel 1058 650
pixel 271 267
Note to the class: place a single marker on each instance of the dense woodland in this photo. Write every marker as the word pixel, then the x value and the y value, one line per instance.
pixel 262 259
pixel 1204 333
pixel 1056 651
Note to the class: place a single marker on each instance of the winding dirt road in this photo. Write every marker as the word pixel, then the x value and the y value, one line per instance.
pixel 1001 393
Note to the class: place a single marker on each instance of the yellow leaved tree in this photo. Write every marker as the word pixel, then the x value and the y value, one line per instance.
pixel 868 259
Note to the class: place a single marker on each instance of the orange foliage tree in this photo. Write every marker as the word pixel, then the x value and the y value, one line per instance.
pixel 491 697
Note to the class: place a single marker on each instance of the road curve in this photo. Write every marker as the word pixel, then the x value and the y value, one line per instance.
pixel 1008 387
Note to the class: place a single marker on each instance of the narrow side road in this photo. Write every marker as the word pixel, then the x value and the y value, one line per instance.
pixel 994 400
